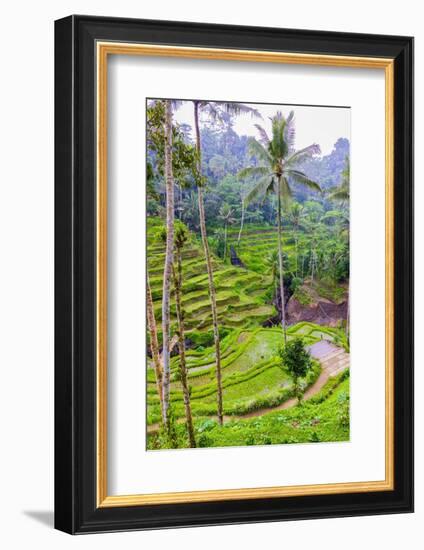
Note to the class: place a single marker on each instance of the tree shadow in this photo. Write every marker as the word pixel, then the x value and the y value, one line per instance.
pixel 46 517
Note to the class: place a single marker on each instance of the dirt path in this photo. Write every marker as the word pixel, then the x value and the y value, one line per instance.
pixel 333 361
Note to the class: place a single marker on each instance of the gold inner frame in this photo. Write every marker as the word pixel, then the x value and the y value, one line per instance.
pixel 104 49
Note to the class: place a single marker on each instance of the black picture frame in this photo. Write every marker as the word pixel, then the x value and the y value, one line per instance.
pixel 76 510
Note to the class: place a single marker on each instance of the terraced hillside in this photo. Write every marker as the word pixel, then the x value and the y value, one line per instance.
pixel 324 417
pixel 255 386
pixel 241 292
pixel 257 244
pixel 253 379
pixel 272 365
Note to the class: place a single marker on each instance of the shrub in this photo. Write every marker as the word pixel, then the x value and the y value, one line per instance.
pixel 204 339
pixel 168 438
pixel 329 388
pixel 344 375
pixel 296 283
pixel 250 440
pixel 204 441
pixel 302 296
pixel 314 438
pixel 297 360
pixel 343 411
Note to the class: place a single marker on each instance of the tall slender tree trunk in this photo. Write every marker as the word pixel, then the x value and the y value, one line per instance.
pixel 154 344
pixel 179 201
pixel 169 259
pixel 241 223
pixel 178 277
pixel 296 251
pixel 313 265
pixel 212 293
pixel 280 263
pixel 225 241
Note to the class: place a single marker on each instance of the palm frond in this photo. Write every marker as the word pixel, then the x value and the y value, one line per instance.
pixel 278 145
pixel 239 109
pixel 264 139
pixel 212 109
pixel 259 189
pixel 286 193
pixel 300 177
pixel 290 132
pixel 341 193
pixel 256 149
pixel 217 110
pixel 253 171
pixel 272 189
pixel 303 154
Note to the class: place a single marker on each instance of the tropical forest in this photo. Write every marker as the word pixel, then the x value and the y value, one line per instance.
pixel 247 290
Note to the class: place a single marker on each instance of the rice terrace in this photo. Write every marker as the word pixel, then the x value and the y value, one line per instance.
pixel 247 274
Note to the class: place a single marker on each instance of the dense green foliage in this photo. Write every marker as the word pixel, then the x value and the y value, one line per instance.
pixel 297 361
pixel 262 378
pixel 323 418
pixel 252 375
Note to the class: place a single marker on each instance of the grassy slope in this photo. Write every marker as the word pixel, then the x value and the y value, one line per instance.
pixel 311 422
pixel 252 378
pixel 240 292
pixel 323 418
pixel 258 243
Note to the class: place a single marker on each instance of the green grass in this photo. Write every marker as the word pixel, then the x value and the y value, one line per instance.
pixel 257 244
pixel 252 378
pixel 302 296
pixel 323 418
pixel 261 347
pixel 251 375
pixel 241 294
pixel 302 424
pixel 331 291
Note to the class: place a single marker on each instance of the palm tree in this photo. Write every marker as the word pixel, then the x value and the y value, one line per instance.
pixel 175 164
pixel 181 237
pixel 342 192
pixel 279 169
pixel 250 216
pixel 242 220
pixel 272 262
pixel 226 215
pixel 215 111
pixel 169 259
pixel 296 212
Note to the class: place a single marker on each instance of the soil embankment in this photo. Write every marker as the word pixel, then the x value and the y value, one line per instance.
pixel 310 306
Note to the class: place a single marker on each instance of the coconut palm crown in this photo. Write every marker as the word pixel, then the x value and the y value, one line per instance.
pixel 278 169
pixel 278 160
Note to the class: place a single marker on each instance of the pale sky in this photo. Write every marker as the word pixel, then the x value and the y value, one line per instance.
pixel 322 125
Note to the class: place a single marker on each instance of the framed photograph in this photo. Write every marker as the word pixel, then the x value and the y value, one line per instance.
pixel 234 274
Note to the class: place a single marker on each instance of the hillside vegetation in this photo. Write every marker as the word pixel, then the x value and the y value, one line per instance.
pixel 252 376
pixel 247 278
